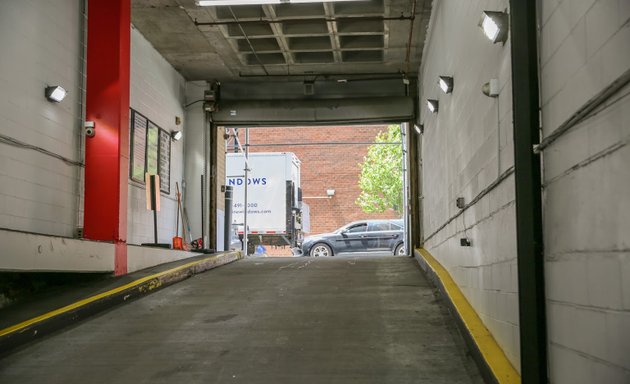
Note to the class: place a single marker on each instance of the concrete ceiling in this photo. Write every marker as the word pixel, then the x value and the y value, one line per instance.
pixel 246 42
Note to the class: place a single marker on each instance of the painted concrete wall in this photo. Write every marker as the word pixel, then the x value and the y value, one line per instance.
pixel 585 45
pixel 466 146
pixel 195 149
pixel 158 92
pixel 31 252
pixel 39 193
pixel 40 43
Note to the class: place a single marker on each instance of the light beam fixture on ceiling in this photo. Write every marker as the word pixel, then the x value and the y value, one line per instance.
pixel 433 105
pixel 55 93
pixel 495 25
pixel 446 84
pixel 214 3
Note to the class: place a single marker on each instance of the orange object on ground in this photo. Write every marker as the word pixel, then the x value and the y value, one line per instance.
pixel 178 243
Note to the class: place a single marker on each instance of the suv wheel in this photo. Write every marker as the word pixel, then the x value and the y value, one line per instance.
pixel 321 250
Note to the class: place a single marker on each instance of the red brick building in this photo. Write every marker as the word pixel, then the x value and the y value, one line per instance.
pixel 324 167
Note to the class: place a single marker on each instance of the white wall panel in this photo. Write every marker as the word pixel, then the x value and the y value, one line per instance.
pixel 466 146
pixel 157 91
pixel 40 43
pixel 585 45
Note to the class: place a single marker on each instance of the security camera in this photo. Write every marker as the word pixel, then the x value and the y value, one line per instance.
pixel 90 129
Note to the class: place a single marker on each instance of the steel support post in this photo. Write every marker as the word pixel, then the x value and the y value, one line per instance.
pixel 525 94
pixel 227 235
pixel 414 187
pixel 107 105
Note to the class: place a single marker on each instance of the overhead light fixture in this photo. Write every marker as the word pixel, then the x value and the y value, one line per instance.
pixel 419 128
pixel 495 25
pixel 214 3
pixel 55 93
pixel 433 105
pixel 446 84
pixel 176 135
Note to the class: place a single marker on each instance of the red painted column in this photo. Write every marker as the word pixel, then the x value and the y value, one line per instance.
pixel 107 105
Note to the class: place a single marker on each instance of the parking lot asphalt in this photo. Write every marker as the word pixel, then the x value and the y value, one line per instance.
pixel 264 320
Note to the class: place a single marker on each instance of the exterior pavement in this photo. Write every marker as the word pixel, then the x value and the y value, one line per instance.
pixel 273 320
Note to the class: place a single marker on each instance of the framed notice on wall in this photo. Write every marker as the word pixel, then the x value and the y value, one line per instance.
pixel 152 148
pixel 138 146
pixel 150 151
pixel 164 163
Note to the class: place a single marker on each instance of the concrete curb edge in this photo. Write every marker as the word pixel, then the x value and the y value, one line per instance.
pixel 32 329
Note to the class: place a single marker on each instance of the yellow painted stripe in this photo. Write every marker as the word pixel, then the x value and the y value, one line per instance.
pixel 94 298
pixel 490 350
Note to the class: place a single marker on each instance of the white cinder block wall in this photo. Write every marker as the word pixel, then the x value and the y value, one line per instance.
pixel 39 193
pixel 40 43
pixel 196 153
pixel 585 45
pixel 465 147
pixel 158 91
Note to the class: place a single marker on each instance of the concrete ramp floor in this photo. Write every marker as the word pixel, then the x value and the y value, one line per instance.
pixel 294 320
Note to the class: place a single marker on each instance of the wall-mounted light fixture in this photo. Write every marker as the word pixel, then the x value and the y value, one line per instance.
pixel 433 105
pixel 491 88
pixel 176 135
pixel 330 192
pixel 446 84
pixel 495 25
pixel 465 242
pixel 419 128
pixel 55 93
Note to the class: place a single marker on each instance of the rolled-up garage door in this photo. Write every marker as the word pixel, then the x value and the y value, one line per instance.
pixel 391 109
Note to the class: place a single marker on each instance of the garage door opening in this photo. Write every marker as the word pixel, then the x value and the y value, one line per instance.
pixel 318 191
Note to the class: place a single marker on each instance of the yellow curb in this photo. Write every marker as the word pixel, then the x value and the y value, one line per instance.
pixel 494 356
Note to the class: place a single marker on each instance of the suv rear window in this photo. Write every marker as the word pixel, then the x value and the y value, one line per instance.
pixel 383 226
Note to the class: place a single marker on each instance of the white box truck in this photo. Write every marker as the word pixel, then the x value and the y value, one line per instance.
pixel 274 206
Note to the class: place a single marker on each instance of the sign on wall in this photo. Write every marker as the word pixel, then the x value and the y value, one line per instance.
pixel 164 164
pixel 138 146
pixel 150 151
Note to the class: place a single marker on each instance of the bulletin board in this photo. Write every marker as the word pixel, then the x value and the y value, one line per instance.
pixel 150 151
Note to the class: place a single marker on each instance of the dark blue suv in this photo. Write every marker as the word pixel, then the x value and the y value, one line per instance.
pixel 365 236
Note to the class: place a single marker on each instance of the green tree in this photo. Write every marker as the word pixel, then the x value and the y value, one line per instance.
pixel 381 174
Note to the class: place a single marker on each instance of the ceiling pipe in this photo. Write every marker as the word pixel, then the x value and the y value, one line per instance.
pixel 349 76
pixel 412 18
pixel 240 26
pixel 303 19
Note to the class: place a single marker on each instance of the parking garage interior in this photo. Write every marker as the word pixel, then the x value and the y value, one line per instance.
pixel 517 132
